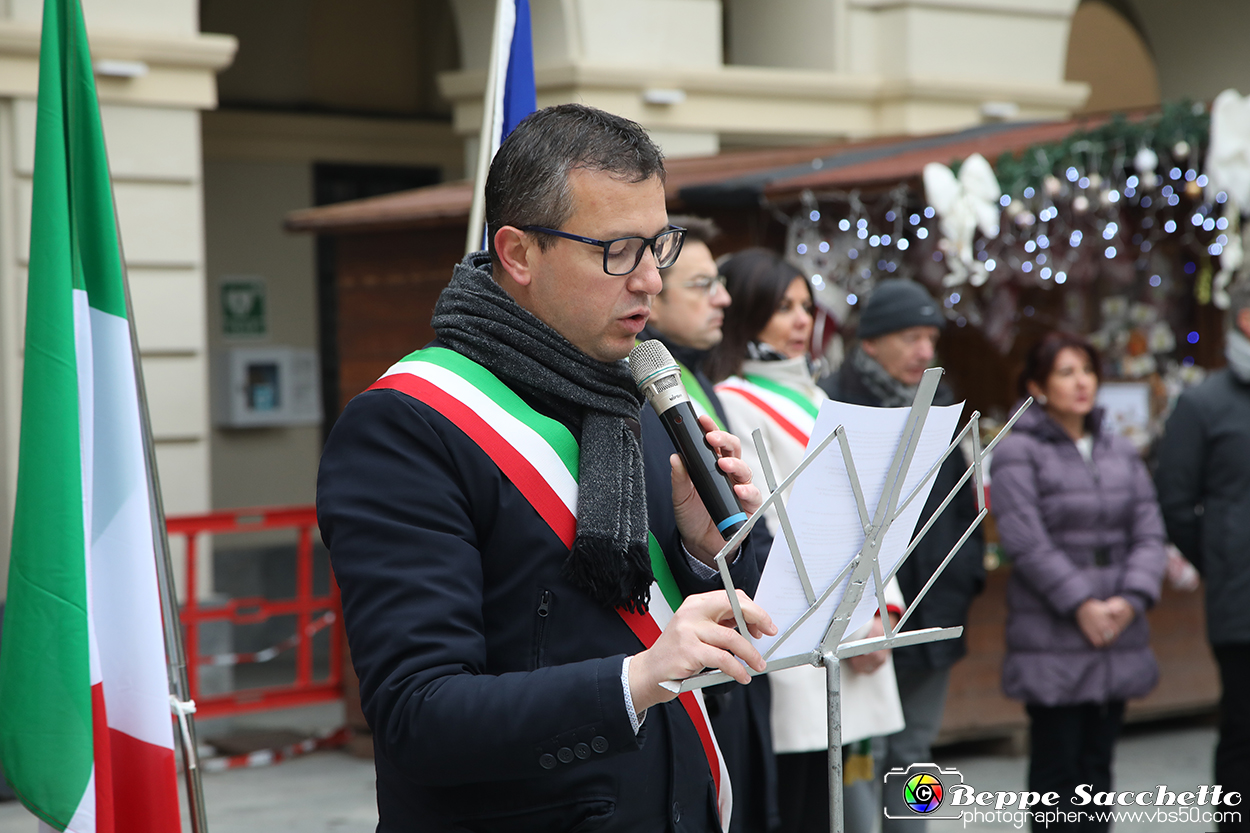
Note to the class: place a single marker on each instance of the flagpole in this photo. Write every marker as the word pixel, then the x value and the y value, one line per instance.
pixel 175 654
pixel 486 138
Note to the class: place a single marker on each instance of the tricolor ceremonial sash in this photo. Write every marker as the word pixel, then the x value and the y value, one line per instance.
pixel 540 456
pixel 698 397
pixel 792 412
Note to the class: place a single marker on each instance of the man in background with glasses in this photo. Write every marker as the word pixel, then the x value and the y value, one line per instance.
pixel 504 576
pixel 686 317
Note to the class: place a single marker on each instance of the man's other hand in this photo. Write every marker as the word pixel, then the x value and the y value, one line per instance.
pixel 698 530
pixel 700 635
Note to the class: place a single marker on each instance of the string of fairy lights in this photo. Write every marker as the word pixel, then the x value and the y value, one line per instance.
pixel 1121 219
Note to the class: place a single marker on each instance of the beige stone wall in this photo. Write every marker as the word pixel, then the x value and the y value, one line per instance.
pixel 151 126
pixel 793 71
pixel 315 81
pixel 1199 46
pixel 244 205
pixel 257 168
pixel 1106 52
pixel 365 56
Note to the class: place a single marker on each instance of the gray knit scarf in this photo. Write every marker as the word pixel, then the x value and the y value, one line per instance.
pixel 891 392
pixel 475 317
pixel 1237 350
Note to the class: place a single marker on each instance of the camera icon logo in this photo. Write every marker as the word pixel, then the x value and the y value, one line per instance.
pixel 918 792
pixel 923 793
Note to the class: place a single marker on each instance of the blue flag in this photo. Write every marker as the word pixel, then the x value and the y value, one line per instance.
pixel 519 95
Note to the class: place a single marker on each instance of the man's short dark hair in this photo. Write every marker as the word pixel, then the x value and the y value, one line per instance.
pixel 528 180
pixel 698 230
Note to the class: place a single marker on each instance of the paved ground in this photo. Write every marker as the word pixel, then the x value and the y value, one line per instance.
pixel 331 792
pixel 1177 755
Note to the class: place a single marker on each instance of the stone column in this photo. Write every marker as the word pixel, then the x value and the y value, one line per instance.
pixel 161 76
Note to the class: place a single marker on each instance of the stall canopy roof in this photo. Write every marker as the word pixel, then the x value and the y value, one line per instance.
pixel 738 179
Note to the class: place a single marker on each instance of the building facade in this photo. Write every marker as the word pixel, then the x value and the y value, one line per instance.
pixel 223 116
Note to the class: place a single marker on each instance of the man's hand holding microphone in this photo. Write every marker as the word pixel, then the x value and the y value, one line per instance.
pixel 712 497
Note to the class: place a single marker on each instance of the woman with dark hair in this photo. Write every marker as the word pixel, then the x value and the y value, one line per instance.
pixel 760 366
pixel 766 383
pixel 1078 518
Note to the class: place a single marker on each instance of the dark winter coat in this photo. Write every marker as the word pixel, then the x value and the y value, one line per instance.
pixel 492 683
pixel 1204 489
pixel 1074 532
pixel 946 603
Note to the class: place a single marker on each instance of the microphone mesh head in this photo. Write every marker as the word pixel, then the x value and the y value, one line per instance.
pixel 647 358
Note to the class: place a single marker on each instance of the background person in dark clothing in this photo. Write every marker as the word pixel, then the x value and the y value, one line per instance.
pixel 1204 488
pixel 898 332
pixel 687 316
pixel 1077 515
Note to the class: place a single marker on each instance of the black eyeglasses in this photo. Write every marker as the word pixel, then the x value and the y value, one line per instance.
pixel 707 285
pixel 623 254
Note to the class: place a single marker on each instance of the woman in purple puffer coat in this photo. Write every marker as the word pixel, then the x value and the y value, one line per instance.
pixel 1078 518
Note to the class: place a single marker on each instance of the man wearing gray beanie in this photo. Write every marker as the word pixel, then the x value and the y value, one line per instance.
pixel 898 333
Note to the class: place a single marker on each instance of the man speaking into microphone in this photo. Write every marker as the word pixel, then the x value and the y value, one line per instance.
pixel 510 605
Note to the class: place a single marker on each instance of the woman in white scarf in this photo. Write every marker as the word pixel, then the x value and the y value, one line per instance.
pixel 766 382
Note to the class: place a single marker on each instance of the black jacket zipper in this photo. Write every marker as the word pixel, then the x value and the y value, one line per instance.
pixel 544 610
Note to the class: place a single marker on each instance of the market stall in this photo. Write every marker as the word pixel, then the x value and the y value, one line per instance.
pixel 1124 228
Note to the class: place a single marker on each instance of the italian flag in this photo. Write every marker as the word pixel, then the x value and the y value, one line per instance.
pixel 85 731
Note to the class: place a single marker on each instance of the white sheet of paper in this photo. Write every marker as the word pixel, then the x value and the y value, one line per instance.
pixel 826 521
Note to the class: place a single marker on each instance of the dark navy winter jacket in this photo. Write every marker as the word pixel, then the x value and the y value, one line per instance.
pixel 492 685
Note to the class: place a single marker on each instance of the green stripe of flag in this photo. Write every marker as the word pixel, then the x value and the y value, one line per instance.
pixel 93 219
pixel 45 683
pixel 781 390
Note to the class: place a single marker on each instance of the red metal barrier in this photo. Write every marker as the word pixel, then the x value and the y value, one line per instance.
pixel 311 612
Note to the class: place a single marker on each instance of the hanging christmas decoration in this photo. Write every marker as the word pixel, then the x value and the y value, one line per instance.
pixel 1228 158
pixel 1146 161
pixel 1133 225
pixel 1232 257
pixel 1228 171
pixel 964 204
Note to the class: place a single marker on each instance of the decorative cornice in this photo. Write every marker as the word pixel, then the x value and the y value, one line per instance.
pixel 812 101
pixel 253 135
pixel 181 70
pixel 790 83
pixel 1058 9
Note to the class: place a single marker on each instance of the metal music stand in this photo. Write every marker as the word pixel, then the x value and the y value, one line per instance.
pixel 864 566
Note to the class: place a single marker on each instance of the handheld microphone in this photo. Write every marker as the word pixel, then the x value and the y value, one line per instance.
pixel 659 378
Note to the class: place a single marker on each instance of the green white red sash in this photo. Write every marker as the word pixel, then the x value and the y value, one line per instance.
pixel 540 456
pixel 698 397
pixel 792 412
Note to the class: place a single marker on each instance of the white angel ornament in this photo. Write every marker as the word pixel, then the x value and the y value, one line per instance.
pixel 1228 170
pixel 1228 158
pixel 963 205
